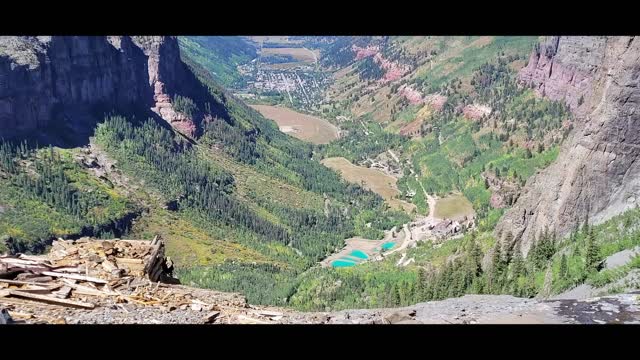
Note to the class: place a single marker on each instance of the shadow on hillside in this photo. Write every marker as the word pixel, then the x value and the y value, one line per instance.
pixel 73 127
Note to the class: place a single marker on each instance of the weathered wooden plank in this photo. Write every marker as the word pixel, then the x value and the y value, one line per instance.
pixel 153 260
pixel 41 279
pixel 155 274
pixel 86 290
pixel 18 282
pixel 75 277
pixel 129 261
pixel 64 292
pixel 51 299
pixel 42 290
pixel 109 266
pixel 23 262
pixel 30 267
pixel 67 269
pixel 39 258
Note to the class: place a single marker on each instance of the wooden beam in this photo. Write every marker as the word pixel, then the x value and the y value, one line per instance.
pixel 85 290
pixel 67 269
pixel 18 282
pixel 22 261
pixel 33 257
pixel 51 299
pixel 64 292
pixel 129 261
pixel 75 277
pixel 42 290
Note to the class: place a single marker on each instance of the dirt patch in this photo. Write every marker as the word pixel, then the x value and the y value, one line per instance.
pixel 275 39
pixel 453 207
pixel 412 128
pixel 300 54
pixel 342 72
pixel 372 179
pixel 476 111
pixel 304 127
pixel 482 41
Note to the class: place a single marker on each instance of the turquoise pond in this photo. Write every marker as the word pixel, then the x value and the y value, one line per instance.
pixel 388 245
pixel 342 263
pixel 359 254
pixel 350 260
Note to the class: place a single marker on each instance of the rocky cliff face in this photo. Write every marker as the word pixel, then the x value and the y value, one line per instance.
pixel 59 81
pixel 563 68
pixel 597 172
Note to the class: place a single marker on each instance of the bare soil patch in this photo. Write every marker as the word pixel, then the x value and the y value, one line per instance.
pixel 482 41
pixel 454 207
pixel 302 126
pixel 372 179
pixel 300 54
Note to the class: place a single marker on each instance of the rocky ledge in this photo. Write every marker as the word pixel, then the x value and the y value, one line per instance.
pixel 130 282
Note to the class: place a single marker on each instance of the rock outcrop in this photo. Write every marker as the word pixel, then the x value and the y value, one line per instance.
pixel 68 82
pixel 597 173
pixel 563 68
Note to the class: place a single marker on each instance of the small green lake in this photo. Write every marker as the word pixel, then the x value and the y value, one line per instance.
pixel 388 245
pixel 359 254
pixel 342 263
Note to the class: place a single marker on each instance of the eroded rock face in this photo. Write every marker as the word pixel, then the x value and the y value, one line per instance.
pixel 563 68
pixel 597 172
pixel 60 80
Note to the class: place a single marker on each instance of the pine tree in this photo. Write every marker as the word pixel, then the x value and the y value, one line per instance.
pixel 592 256
pixel 421 284
pixel 517 265
pixel 564 269
pixel 496 269
pixel 476 259
pixel 528 154
pixel 396 298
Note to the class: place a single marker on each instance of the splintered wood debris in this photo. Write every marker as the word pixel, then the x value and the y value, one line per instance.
pixel 112 281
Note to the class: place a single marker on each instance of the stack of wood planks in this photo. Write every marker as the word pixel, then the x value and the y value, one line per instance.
pixel 112 281
pixel 74 271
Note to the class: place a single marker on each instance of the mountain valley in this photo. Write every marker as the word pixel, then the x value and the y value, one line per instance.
pixel 349 179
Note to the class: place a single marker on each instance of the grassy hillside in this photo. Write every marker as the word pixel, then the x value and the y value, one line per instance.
pixel 219 55
pixel 449 150
pixel 45 194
